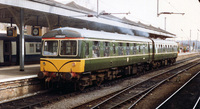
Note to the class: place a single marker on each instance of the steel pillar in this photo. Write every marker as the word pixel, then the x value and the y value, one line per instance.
pixel 21 39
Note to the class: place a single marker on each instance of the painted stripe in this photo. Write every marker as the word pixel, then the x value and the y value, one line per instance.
pixel 167 53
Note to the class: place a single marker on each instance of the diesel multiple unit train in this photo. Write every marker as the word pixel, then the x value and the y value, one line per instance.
pixel 9 49
pixel 89 57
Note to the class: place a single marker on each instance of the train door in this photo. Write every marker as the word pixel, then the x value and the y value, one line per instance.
pixel 1 52
pixel 149 51
pixel 7 52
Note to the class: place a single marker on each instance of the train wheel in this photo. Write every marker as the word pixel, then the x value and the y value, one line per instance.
pixel 81 87
pixel 98 82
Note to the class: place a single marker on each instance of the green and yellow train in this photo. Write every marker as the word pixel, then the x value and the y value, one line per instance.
pixel 88 56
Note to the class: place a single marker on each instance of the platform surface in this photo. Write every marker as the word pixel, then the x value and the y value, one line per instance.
pixel 11 73
pixel 186 53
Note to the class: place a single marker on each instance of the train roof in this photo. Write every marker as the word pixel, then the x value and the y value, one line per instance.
pixel 91 34
pixel 161 41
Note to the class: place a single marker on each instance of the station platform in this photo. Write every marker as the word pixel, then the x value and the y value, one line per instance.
pixel 12 73
pixel 186 53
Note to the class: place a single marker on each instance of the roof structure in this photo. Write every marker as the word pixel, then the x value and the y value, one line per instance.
pixel 124 20
pixel 76 6
pixel 49 13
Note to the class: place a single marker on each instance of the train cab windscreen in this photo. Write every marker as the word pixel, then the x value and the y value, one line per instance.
pixel 50 48
pixel 68 47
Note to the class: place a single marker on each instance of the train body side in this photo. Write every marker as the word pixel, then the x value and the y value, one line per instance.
pixel 9 49
pixel 165 50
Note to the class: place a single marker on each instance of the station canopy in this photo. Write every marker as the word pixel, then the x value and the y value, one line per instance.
pixel 52 14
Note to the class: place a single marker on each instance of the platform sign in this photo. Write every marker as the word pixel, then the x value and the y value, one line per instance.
pixel 36 30
pixel 12 31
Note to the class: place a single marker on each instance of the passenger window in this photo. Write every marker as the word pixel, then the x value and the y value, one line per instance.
pixel 144 49
pixel 134 48
pixel 96 49
pixel 121 49
pixel 38 47
pixel 31 48
pixel 87 49
pixel 106 48
pixel 127 49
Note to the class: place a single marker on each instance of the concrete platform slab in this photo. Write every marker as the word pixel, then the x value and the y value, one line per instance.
pixel 12 73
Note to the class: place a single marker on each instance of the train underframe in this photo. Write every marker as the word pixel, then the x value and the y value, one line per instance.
pixel 82 80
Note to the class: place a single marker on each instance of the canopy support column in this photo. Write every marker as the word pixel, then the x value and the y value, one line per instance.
pixel 21 39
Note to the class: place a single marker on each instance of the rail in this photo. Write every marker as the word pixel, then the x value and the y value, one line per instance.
pixel 122 97
pixel 177 91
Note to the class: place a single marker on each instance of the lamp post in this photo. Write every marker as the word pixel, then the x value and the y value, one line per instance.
pixel 190 41
pixel 159 13
pixel 197 40
pixel 97 7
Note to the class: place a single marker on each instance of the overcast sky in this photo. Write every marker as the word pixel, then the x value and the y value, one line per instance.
pixel 145 11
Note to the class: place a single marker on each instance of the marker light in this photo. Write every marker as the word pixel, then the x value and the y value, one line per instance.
pixel 73 64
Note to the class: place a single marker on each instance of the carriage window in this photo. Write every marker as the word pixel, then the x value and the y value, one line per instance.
pixel 144 49
pixel 120 49
pixel 68 47
pixel 86 49
pixel 139 49
pixel 38 47
pixel 31 48
pixel 134 48
pixel 127 49
pixel 106 48
pixel 114 49
pixel 50 48
pixel 96 49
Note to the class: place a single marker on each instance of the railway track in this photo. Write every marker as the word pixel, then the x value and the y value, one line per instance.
pixel 197 104
pixel 131 95
pixel 40 99
pixel 187 96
